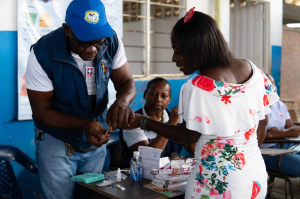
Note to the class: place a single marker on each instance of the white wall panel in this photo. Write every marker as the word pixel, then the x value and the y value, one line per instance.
pixel 225 19
pixel 248 27
pixel 8 15
pixel 276 13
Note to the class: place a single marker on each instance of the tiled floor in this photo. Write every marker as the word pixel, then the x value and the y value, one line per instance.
pixel 279 188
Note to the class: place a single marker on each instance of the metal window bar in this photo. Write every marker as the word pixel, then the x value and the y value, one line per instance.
pixel 132 46
pixel 144 17
pixel 143 77
pixel 151 32
pixel 155 3
pixel 148 13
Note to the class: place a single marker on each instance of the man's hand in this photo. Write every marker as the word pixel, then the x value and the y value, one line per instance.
pixel 174 117
pixel 119 115
pixel 95 134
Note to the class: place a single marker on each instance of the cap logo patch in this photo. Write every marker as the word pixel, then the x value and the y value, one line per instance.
pixel 91 16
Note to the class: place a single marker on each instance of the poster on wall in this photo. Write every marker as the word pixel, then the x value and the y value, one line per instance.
pixel 39 17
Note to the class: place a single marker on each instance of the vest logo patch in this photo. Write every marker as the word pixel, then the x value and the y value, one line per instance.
pixel 91 16
pixel 105 72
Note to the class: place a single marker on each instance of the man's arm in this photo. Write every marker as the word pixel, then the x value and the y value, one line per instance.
pixel 120 113
pixel 41 105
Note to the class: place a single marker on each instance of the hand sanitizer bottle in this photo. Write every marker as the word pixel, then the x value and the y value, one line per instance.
pixel 135 167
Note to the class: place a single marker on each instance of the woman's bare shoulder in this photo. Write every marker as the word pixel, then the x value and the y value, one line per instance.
pixel 242 63
pixel 241 69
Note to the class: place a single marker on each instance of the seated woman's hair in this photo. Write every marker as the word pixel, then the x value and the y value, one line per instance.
pixel 201 42
pixel 157 79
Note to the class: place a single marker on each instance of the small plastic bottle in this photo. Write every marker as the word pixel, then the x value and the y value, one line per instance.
pixel 135 167
pixel 119 175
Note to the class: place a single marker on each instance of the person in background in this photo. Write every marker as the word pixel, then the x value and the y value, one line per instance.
pixel 224 109
pixel 279 126
pixel 157 97
pixel 67 76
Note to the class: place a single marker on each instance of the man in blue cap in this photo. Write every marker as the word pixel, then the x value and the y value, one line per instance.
pixel 66 79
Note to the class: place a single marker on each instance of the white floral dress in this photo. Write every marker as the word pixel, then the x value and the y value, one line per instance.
pixel 229 164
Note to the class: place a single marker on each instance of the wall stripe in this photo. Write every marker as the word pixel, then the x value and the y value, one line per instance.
pixel 276 66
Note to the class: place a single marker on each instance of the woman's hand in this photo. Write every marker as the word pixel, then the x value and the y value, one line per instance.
pixel 135 123
pixel 174 117
pixel 273 131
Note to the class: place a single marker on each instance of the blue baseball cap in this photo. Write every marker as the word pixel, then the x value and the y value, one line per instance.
pixel 87 19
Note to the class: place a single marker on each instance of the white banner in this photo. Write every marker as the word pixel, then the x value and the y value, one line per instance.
pixel 39 17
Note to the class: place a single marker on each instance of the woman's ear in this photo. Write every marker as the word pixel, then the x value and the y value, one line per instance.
pixel 144 96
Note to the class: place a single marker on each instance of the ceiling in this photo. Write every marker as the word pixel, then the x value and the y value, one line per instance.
pixel 291 13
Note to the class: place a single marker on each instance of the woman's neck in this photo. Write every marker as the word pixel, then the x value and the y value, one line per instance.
pixel 158 116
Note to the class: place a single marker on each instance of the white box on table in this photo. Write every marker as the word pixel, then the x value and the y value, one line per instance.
pixel 151 160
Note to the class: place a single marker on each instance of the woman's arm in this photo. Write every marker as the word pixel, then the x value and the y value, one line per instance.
pixel 176 133
pixel 190 148
pixel 262 130
pixel 288 124
pixel 276 133
pixel 174 118
pixel 289 131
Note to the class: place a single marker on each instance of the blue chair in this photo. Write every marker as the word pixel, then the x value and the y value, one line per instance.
pixel 9 187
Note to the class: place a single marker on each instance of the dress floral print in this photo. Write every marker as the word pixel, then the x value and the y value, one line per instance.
pixel 212 174
pixel 219 88
pixel 215 182
pixel 229 164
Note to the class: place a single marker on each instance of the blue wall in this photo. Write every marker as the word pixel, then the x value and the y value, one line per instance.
pixel 276 66
pixel 17 133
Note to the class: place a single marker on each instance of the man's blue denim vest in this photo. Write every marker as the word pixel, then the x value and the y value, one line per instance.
pixel 70 90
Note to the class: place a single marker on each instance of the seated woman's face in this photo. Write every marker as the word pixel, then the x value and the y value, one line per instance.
pixel 158 97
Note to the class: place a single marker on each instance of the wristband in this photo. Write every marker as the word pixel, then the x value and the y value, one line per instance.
pixel 144 122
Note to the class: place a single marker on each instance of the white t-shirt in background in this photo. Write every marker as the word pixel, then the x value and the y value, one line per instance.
pixel 137 135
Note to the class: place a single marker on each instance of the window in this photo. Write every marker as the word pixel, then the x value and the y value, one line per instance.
pixel 147 26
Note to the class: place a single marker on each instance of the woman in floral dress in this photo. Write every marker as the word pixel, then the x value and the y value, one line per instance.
pixel 227 120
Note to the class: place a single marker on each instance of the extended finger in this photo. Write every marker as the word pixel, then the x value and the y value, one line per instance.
pixel 106 139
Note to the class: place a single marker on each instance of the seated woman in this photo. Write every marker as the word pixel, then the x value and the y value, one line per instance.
pixel 279 126
pixel 157 96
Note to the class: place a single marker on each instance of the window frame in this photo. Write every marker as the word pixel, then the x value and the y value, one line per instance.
pixel 147 60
